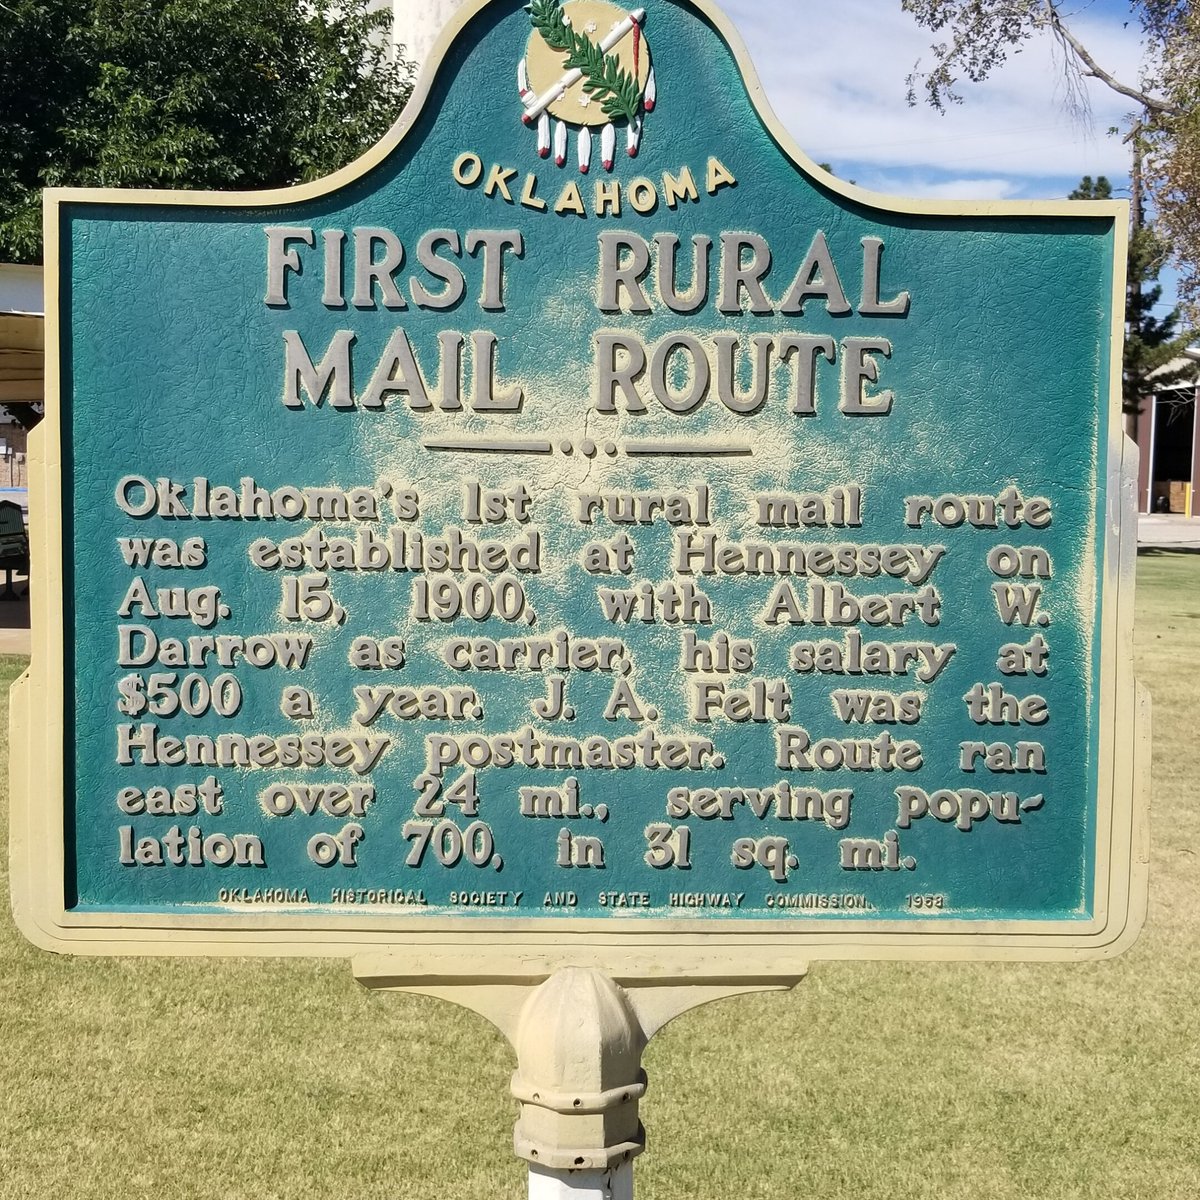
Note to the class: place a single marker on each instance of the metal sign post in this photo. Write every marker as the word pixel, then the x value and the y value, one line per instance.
pixel 578 1035
pixel 581 560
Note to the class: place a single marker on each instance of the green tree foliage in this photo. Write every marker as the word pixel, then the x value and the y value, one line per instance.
pixel 1173 139
pixel 1151 343
pixel 1092 189
pixel 210 94
pixel 976 36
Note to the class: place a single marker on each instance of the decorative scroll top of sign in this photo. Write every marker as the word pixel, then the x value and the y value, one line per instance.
pixel 653 549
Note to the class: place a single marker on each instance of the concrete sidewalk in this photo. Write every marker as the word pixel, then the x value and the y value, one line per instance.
pixel 1168 531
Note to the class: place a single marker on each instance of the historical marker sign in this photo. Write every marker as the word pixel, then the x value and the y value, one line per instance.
pixel 581 520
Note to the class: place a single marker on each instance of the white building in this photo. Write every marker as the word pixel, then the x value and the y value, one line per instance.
pixel 417 23
pixel 1168 437
pixel 21 362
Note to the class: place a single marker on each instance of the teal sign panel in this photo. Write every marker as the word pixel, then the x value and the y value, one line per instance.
pixel 586 509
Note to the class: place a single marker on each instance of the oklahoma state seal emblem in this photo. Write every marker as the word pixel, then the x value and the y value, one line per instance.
pixel 586 70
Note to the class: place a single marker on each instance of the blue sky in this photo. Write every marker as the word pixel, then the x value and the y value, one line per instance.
pixel 835 75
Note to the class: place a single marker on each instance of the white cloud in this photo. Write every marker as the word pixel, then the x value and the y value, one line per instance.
pixel 835 75
pixel 972 188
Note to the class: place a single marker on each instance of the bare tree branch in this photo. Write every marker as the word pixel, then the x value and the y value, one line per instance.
pixel 1091 67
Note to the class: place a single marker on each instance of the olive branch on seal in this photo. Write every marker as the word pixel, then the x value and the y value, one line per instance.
pixel 604 78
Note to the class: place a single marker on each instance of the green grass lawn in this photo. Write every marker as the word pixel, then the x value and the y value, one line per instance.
pixel 274 1079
